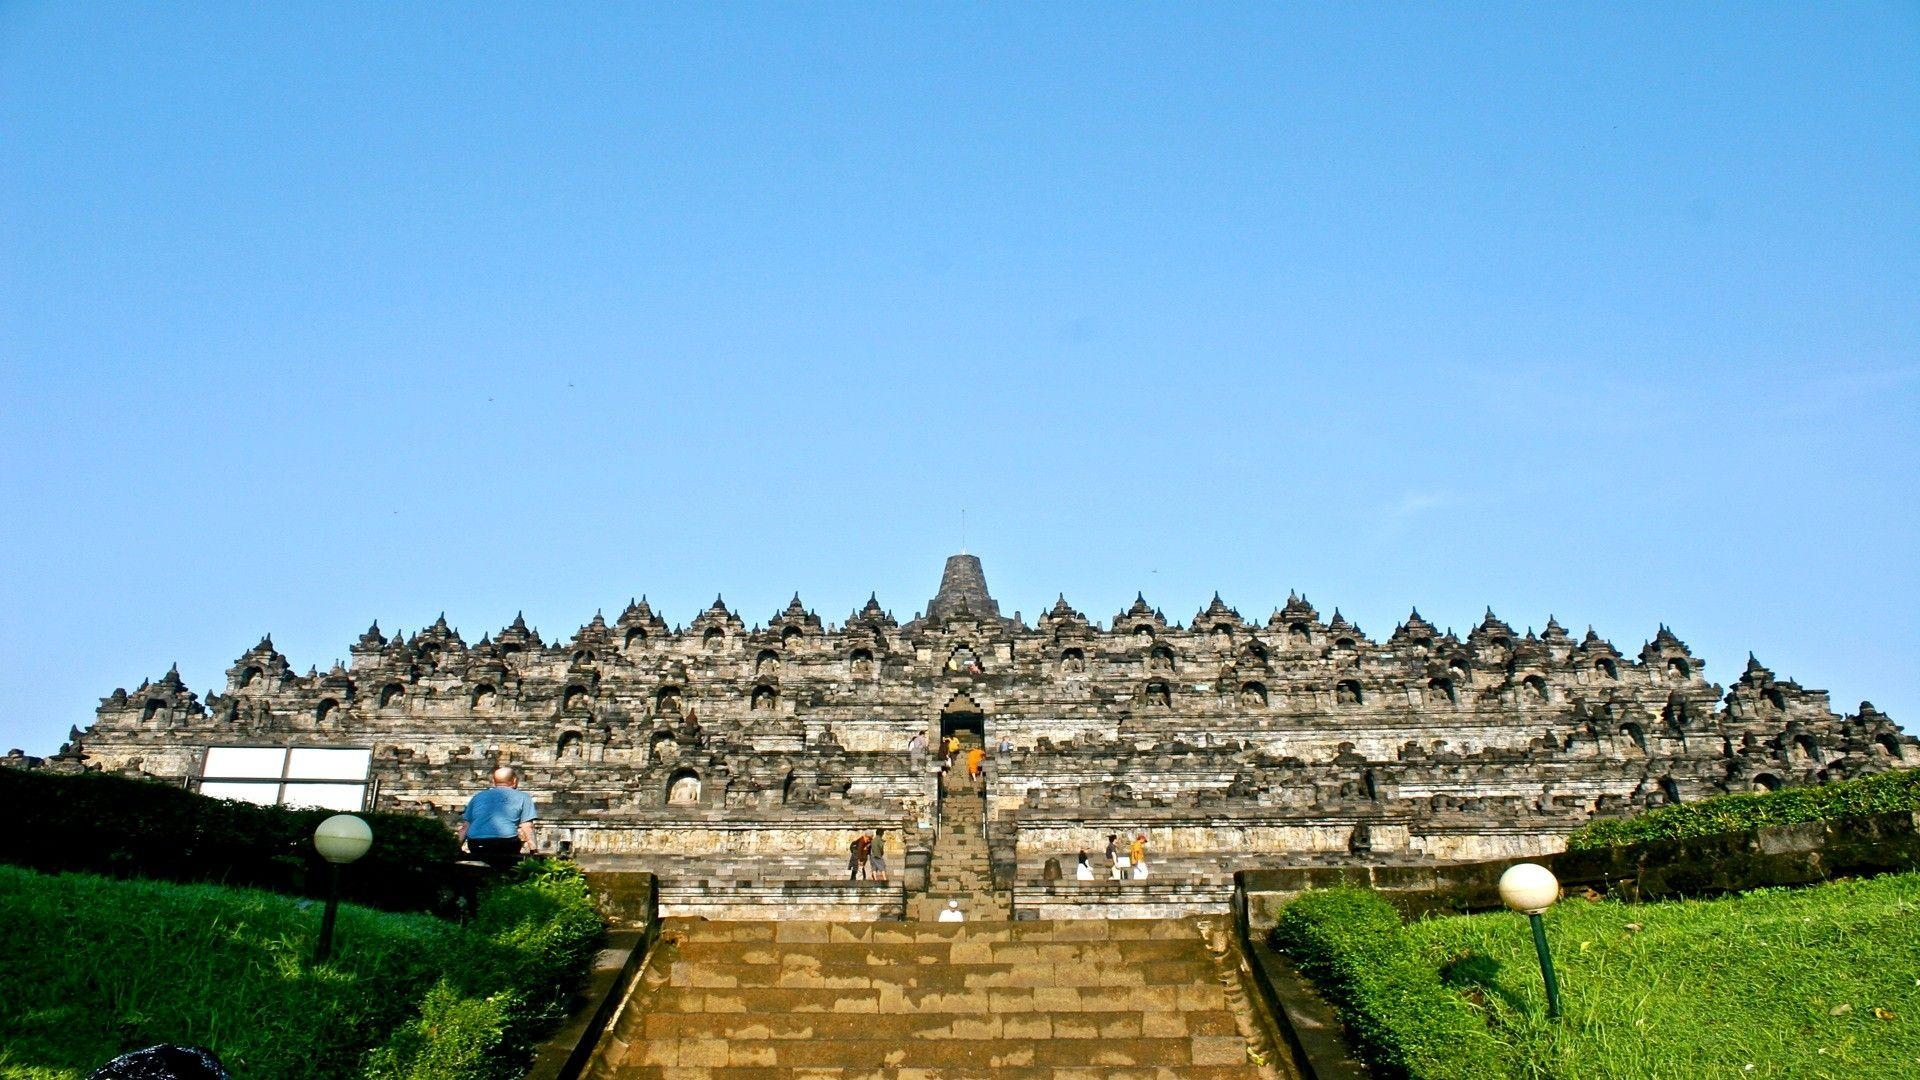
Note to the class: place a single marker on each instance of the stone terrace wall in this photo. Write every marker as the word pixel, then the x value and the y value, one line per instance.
pixel 1295 737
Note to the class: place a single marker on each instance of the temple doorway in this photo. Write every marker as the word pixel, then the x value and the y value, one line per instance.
pixel 964 724
pixel 963 717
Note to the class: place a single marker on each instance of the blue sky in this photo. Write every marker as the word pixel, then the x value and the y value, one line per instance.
pixel 315 315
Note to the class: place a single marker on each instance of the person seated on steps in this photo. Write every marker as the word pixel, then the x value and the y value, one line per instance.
pixel 952 912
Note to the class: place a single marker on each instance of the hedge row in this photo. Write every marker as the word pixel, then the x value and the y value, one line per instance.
pixel 1405 1023
pixel 96 967
pixel 1882 793
pixel 125 827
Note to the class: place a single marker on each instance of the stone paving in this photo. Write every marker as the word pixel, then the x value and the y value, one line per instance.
pixel 939 1001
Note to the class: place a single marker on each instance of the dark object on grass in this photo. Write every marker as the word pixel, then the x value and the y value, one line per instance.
pixel 164 1062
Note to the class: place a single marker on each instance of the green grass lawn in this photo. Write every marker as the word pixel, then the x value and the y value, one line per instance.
pixel 93 967
pixel 1814 982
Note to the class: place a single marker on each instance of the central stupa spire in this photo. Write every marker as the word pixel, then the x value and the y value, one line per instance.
pixel 963 584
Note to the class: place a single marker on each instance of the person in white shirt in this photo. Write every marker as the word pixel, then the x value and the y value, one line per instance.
pixel 952 914
pixel 1083 872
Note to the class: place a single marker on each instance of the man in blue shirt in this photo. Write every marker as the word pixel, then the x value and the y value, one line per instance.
pixel 497 826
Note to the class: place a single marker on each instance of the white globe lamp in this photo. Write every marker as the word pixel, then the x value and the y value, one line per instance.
pixel 340 839
pixel 1531 889
pixel 343 838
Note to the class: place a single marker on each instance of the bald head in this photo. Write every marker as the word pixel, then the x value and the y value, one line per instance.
pixel 504 776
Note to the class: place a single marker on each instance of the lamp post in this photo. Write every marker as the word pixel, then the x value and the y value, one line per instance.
pixel 1531 889
pixel 340 839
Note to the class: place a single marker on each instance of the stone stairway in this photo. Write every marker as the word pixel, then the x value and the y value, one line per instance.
pixel 938 1001
pixel 961 869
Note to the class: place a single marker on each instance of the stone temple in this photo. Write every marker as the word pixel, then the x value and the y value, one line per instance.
pixel 735 762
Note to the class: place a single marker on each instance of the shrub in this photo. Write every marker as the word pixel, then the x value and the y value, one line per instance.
pixel 125 827
pixel 1888 792
pixel 545 920
pixel 1353 946
pixel 453 1038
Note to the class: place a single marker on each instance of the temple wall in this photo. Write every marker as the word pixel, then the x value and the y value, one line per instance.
pixel 1221 738
pixel 809 841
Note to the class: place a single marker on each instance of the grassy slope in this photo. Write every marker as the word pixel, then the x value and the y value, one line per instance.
pixel 1742 986
pixel 93 967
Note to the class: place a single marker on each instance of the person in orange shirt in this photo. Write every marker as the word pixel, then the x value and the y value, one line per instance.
pixel 974 757
pixel 1137 855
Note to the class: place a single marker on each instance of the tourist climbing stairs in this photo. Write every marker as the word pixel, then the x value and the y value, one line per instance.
pixel 961 872
pixel 939 1001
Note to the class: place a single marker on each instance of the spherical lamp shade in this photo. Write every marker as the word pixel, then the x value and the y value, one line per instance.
pixel 343 838
pixel 1529 888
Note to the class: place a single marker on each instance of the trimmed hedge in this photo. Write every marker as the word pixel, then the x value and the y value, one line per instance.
pixel 126 827
pixel 1881 793
pixel 96 967
pixel 1352 945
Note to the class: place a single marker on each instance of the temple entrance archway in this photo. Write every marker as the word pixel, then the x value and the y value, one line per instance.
pixel 962 715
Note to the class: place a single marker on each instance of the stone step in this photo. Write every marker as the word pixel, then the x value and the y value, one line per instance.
pixel 977 1053
pixel 961 890
pixel 880 953
pixel 1038 1072
pixel 901 998
pixel 896 1014
pixel 932 974
pixel 802 931
pixel 934 1001
pixel 666 1023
